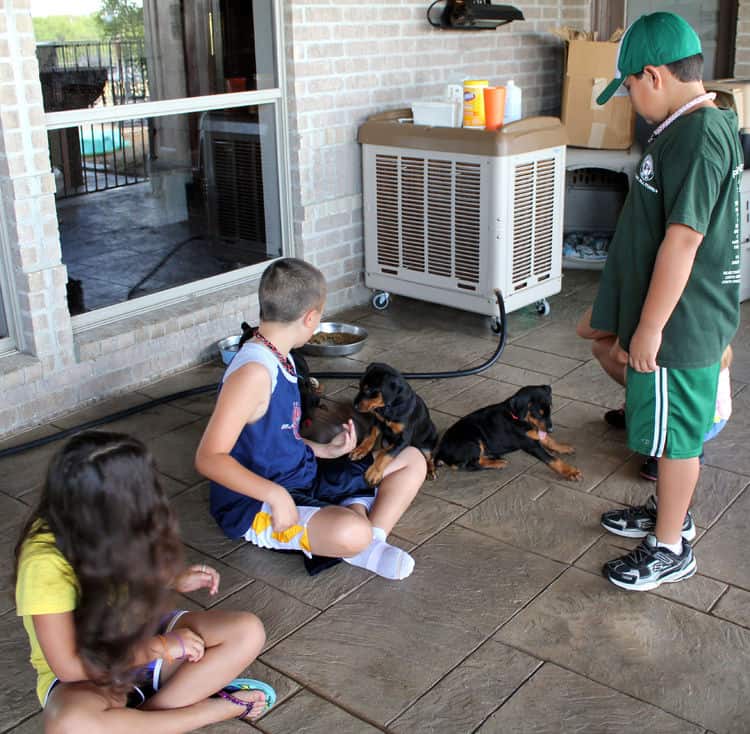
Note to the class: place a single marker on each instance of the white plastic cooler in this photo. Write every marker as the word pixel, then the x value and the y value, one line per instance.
pixel 453 214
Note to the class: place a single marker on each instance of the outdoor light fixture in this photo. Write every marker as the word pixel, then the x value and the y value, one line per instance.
pixel 473 15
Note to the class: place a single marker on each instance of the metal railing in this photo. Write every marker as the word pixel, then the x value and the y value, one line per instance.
pixel 124 61
pixel 96 157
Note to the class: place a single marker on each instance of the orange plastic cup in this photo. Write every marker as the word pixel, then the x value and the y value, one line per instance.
pixel 494 107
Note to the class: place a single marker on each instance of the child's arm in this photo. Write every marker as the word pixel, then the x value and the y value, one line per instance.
pixel 57 638
pixel 672 268
pixel 243 399
pixel 341 444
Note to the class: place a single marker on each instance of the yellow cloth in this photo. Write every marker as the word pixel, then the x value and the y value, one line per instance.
pixel 46 585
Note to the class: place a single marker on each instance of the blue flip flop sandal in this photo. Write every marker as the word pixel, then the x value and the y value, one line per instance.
pixel 250 684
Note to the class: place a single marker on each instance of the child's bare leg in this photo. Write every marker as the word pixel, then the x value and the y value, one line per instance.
pixel 612 359
pixel 677 481
pixel 346 533
pixel 82 707
pixel 403 478
pixel 232 639
pixel 338 532
pixel 602 347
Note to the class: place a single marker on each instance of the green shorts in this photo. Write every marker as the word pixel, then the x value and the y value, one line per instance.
pixel 668 412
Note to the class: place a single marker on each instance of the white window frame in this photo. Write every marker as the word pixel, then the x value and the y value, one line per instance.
pixel 8 344
pixel 274 96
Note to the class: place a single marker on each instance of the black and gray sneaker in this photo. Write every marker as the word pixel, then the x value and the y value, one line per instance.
pixel 649 566
pixel 616 418
pixel 638 522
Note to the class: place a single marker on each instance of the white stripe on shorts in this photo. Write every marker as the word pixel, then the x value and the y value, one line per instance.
pixel 661 411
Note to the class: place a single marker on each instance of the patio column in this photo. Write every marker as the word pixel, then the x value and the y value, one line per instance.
pixel 27 201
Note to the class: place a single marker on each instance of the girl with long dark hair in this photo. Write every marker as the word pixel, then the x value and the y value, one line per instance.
pixel 96 567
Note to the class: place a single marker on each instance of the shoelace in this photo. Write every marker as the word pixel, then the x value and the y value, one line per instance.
pixel 639 554
pixel 633 513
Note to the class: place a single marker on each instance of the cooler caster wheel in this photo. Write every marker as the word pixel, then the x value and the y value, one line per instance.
pixel 495 325
pixel 381 300
pixel 542 307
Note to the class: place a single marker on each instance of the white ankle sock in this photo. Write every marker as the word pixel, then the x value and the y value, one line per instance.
pixel 383 559
pixel 676 548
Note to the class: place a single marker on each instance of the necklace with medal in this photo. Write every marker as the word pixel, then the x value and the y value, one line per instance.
pixel 285 361
pixel 681 111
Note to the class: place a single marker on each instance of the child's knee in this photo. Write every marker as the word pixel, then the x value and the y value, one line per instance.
pixel 415 460
pixel 352 535
pixel 601 348
pixel 249 633
pixel 583 327
pixel 66 720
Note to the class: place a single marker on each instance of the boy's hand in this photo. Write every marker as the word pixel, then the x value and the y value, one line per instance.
pixel 283 511
pixel 344 442
pixel 644 346
pixel 197 577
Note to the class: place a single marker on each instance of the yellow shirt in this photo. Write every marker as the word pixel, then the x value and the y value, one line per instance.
pixel 46 585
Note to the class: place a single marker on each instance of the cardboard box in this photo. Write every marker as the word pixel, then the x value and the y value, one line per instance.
pixel 735 94
pixel 589 68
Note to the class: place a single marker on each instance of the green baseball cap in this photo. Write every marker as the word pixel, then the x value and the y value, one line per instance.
pixel 652 40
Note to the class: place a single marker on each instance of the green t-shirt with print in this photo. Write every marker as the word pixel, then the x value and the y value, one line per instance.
pixel 689 175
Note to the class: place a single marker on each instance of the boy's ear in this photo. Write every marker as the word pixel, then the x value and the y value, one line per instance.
pixel 655 75
pixel 309 317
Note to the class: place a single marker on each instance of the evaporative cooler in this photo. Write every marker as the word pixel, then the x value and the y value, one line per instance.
pixel 452 214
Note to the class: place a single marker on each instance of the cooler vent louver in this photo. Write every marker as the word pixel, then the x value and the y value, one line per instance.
pixel 428 217
pixel 533 215
pixel 238 183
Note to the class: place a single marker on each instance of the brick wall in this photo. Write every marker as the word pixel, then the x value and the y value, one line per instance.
pixel 348 61
pixel 742 52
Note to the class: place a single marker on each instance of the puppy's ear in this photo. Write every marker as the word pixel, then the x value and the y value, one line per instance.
pixel 248 332
pixel 519 405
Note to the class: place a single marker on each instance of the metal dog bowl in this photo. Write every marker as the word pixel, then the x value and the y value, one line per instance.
pixel 336 350
pixel 228 347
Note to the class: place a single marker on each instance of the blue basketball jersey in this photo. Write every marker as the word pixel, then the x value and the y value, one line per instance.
pixel 270 447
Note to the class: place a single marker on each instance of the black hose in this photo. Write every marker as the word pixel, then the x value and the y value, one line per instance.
pixel 44 440
pixel 440 375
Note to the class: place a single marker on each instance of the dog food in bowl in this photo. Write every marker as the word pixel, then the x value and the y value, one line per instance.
pixel 329 340
pixel 334 339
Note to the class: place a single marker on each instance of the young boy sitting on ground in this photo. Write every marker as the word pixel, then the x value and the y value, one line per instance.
pixel 668 301
pixel 268 484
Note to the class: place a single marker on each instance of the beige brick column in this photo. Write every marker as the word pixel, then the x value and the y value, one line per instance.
pixel 27 198
pixel 742 52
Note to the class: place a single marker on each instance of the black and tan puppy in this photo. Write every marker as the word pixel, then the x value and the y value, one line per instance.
pixel 480 439
pixel 401 420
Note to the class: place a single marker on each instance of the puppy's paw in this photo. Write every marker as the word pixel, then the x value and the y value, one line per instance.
pixel 359 453
pixel 432 474
pixel 373 476
pixel 564 448
pixel 572 474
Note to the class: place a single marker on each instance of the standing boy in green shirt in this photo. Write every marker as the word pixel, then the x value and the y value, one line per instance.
pixel 668 300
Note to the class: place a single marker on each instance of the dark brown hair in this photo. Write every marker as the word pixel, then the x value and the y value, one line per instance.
pixel 111 521
pixel 689 69
pixel 289 288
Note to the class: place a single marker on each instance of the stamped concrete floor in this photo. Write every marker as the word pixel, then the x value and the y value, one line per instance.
pixel 506 624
